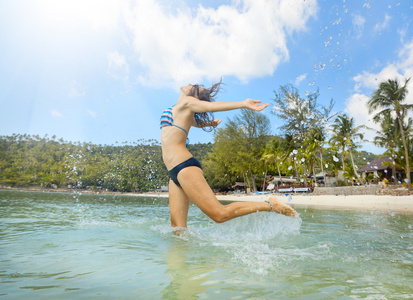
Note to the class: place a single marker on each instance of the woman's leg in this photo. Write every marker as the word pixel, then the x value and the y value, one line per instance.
pixel 198 191
pixel 178 205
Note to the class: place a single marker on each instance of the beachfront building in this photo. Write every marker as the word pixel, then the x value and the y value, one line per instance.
pixel 275 182
pixel 381 169
pixel 328 178
pixel 239 187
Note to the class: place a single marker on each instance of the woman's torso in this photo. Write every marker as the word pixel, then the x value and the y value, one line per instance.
pixel 173 139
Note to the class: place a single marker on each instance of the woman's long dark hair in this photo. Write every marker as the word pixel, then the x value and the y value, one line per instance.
pixel 205 95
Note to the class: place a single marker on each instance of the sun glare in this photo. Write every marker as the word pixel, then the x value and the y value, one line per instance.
pixel 95 13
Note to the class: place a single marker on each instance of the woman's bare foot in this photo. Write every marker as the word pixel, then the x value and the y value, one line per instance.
pixel 281 208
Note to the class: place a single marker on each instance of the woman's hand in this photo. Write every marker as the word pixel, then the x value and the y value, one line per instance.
pixel 215 123
pixel 200 124
pixel 254 104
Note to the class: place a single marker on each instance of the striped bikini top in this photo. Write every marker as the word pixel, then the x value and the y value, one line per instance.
pixel 167 119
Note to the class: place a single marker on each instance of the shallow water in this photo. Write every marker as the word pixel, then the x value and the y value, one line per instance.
pixel 71 246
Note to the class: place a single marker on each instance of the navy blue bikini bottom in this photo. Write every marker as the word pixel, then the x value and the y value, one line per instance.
pixel 192 162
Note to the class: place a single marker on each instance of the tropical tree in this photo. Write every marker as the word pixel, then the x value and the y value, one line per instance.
pixel 390 97
pixel 275 152
pixel 314 142
pixel 331 160
pixel 239 146
pixel 388 137
pixel 347 136
pixel 33 161
pixel 349 174
pixel 299 114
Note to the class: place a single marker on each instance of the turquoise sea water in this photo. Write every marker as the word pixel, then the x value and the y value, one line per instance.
pixel 71 246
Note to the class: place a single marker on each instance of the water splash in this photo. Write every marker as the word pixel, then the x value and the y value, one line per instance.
pixel 258 241
pixel 253 228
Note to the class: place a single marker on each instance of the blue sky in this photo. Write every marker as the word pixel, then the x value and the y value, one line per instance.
pixel 103 71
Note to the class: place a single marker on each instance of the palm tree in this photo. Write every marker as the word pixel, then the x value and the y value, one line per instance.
pixel 275 153
pixel 349 174
pixel 291 147
pixel 390 97
pixel 331 162
pixel 388 137
pixel 316 138
pixel 346 135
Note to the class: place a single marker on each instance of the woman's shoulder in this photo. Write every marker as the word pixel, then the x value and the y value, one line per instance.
pixel 184 103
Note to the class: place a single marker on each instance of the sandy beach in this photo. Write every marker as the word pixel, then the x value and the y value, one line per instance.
pixel 386 204
pixel 396 204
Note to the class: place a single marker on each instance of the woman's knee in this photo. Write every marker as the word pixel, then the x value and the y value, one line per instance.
pixel 219 216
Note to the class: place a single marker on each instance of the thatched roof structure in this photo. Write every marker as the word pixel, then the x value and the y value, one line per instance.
pixel 376 165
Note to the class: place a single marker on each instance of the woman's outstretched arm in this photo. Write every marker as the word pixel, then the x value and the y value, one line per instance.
pixel 198 106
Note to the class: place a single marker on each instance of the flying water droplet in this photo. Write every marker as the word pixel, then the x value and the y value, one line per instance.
pixel 337 21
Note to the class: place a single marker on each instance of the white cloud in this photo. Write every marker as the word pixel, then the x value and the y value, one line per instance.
pixel 381 26
pixel 400 69
pixel 406 56
pixel 367 82
pixel 246 40
pixel 76 90
pixel 55 113
pixel 300 78
pixel 358 25
pixel 99 14
pixel 356 107
pixel 118 67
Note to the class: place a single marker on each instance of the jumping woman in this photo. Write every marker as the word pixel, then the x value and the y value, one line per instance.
pixel 195 107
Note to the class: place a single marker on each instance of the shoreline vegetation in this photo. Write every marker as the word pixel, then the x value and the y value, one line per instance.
pixel 387 204
pixel 313 145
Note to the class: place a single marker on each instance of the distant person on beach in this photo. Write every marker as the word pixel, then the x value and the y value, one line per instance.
pixel 195 107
